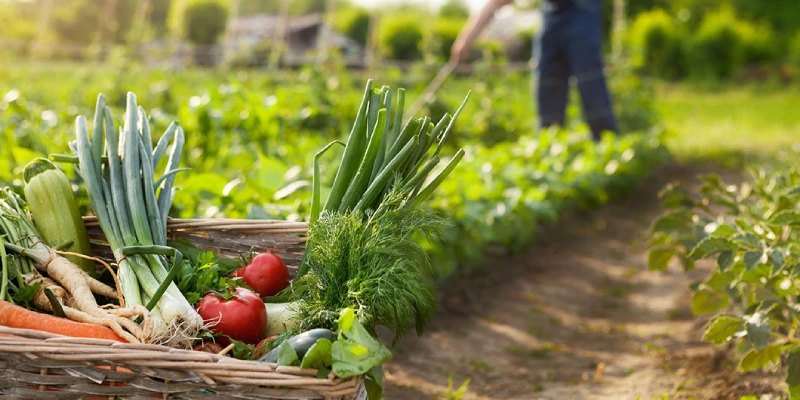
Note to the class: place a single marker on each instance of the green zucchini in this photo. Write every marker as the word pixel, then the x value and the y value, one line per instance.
pixel 55 211
pixel 301 343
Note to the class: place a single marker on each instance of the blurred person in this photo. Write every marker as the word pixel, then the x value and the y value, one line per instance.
pixel 568 45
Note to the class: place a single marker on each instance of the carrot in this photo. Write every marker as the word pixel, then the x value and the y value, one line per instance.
pixel 14 316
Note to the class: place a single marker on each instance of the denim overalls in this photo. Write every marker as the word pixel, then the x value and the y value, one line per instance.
pixel 569 44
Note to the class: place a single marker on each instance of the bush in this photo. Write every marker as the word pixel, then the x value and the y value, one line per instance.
pixel 716 50
pixel 205 21
pixel 523 49
pixel 400 37
pixel 657 44
pixel 455 9
pixel 758 42
pixel 794 50
pixel 444 34
pixel 354 22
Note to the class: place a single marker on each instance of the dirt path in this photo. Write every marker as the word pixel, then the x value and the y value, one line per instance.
pixel 576 317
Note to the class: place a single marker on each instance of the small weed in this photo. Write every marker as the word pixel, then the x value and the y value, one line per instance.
pixel 482 365
pixel 628 372
pixel 554 321
pixel 536 331
pixel 537 387
pixel 535 310
pixel 459 393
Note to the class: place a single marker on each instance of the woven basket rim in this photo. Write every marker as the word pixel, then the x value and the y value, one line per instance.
pixel 209 370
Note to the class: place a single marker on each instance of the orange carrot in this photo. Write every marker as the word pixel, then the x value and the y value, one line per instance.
pixel 14 316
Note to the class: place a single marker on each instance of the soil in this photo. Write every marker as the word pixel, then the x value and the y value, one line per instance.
pixel 577 316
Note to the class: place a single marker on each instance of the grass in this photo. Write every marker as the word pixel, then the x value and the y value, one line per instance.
pixel 730 124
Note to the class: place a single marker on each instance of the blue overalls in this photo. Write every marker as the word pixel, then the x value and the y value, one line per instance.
pixel 569 44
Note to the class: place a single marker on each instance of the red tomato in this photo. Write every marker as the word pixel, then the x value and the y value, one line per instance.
pixel 242 315
pixel 266 274
pixel 261 348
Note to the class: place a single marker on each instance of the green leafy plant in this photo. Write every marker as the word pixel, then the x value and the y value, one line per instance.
pixel 750 234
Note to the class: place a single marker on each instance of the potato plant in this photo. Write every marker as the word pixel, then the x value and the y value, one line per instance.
pixel 749 232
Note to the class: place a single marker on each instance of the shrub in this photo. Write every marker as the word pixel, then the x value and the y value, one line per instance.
pixel 716 50
pixel 758 42
pixel 205 21
pixel 400 37
pixel 444 34
pixel 454 9
pixel 657 44
pixel 794 50
pixel 523 49
pixel 354 22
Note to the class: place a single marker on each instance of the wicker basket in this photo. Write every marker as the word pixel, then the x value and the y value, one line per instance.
pixel 39 365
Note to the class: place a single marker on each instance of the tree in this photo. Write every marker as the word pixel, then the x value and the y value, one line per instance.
pixel 354 22
pixel 205 21
pixel 455 9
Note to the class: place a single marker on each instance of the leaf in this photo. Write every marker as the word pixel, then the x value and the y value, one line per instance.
pixel 777 258
pixel 675 221
pixel 356 351
pixel 756 359
pixel 747 240
pixel 723 231
pixel 270 173
pixel 374 383
pixel 758 330
pixel 706 301
pixel 318 356
pixel 722 327
pixel 711 245
pixel 658 258
pixel 287 355
pixel 787 217
pixel 752 259
pixel 793 374
pixel 725 260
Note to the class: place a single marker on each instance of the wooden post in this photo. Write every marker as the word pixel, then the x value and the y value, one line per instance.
pixel 279 43
pixel 322 40
pixel 618 29
pixel 44 23
pixel 371 46
pixel 227 45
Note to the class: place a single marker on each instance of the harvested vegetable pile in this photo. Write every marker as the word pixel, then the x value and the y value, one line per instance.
pixel 363 265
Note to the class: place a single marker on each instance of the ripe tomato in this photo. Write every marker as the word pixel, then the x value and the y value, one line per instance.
pixel 261 347
pixel 240 315
pixel 266 274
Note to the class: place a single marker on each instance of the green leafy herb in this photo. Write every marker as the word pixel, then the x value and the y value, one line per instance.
pixel 356 352
pixel 373 264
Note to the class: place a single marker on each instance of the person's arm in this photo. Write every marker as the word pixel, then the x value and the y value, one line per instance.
pixel 463 44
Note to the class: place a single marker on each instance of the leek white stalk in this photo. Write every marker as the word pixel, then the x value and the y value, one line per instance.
pixel 122 190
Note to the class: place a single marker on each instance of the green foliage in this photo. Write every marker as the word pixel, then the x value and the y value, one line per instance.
pixel 444 34
pixel 375 265
pixel 205 21
pixel 524 50
pixel 750 232
pixel 794 50
pixel 354 22
pixel 454 9
pixel 658 44
pixel 400 36
pixel 511 182
pixel 716 49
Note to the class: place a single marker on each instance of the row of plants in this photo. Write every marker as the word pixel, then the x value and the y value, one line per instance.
pixel 253 137
pixel 718 47
pixel 747 233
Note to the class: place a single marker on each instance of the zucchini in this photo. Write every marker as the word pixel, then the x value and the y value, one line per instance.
pixel 301 343
pixel 55 211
